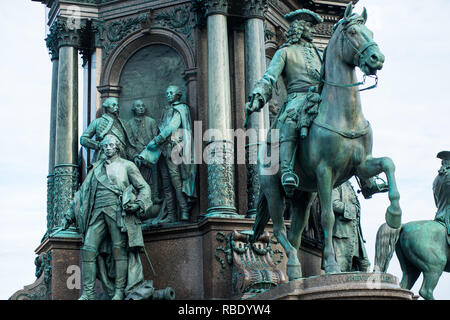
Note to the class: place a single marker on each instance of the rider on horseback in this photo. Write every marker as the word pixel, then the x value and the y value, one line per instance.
pixel 441 191
pixel 299 62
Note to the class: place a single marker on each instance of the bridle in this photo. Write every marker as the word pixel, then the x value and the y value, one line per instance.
pixel 358 56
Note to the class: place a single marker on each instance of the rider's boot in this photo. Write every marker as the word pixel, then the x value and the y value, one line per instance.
pixel 89 274
pixel 121 264
pixel 289 180
pixel 370 186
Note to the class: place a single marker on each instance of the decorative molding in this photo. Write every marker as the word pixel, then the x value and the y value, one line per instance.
pixel 51 42
pixel 216 7
pixel 41 288
pixel 50 202
pixel 221 196
pixel 279 6
pixel 65 185
pixel 117 30
pixel 253 268
pixel 68 31
pixel 178 19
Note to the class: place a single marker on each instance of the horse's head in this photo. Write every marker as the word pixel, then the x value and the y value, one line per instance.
pixel 357 45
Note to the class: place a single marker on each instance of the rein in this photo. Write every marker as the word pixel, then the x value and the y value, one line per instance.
pixel 359 53
pixel 349 134
pixel 356 84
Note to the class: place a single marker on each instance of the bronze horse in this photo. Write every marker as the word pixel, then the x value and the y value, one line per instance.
pixel 421 247
pixel 339 146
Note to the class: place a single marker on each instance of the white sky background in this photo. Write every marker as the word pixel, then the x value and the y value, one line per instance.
pixel 409 113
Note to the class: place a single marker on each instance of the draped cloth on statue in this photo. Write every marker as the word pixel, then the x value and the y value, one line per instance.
pixel 82 209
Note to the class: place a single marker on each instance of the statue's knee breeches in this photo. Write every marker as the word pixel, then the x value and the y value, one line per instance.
pixel 288 131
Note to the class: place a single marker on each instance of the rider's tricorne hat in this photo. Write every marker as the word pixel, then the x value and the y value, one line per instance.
pixel 303 14
pixel 444 155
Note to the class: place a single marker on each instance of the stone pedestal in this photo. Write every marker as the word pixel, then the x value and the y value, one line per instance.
pixel 195 259
pixel 340 286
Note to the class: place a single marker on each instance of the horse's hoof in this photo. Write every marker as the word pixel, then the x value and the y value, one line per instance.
pixel 293 271
pixel 394 217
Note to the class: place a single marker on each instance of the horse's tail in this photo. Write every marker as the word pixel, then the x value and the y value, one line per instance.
pixel 387 238
pixel 262 217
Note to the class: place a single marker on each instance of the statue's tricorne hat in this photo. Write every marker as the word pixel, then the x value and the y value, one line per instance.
pixel 303 14
pixel 444 155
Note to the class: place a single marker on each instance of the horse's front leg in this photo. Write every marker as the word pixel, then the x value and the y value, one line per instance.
pixel 275 207
pixel 324 189
pixel 374 166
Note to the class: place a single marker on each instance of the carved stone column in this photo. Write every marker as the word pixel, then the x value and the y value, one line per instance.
pixel 66 144
pixel 52 45
pixel 220 146
pixel 255 65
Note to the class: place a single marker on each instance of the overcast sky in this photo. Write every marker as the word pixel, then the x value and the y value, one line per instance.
pixel 409 113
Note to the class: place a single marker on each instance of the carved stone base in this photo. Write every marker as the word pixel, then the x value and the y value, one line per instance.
pixel 194 259
pixel 340 286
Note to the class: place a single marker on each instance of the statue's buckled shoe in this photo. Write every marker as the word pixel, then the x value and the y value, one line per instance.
pixel 290 182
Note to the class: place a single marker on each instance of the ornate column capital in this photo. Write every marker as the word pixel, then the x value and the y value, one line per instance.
pixel 254 8
pixel 216 7
pixel 67 32
pixel 52 42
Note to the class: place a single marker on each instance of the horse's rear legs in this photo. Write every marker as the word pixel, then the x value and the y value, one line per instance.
pixel 374 166
pixel 325 186
pixel 430 280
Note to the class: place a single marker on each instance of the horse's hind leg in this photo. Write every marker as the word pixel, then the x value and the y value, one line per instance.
pixel 374 166
pixel 430 280
pixel 325 186
pixel 410 272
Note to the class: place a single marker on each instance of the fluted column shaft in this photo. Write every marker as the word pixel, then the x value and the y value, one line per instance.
pixel 255 65
pixel 220 146
pixel 66 145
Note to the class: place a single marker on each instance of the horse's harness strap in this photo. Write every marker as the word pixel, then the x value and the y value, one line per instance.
pixel 350 134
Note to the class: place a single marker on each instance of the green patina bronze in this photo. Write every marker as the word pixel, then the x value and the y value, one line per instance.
pixel 142 129
pixel 421 246
pixel 108 123
pixel 175 140
pixel 108 209
pixel 348 241
pixel 339 141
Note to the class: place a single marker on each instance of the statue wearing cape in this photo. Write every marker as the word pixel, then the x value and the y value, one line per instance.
pixel 82 209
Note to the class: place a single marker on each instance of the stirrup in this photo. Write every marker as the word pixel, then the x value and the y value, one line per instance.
pixel 369 191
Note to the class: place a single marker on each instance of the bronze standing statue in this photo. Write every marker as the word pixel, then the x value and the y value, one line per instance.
pixel 174 144
pixel 108 215
pixel 337 147
pixel 142 129
pixel 348 240
pixel 421 246
pixel 108 123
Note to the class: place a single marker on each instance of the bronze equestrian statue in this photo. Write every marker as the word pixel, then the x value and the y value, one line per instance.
pixel 338 146
pixel 421 246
